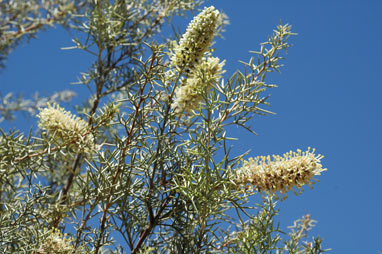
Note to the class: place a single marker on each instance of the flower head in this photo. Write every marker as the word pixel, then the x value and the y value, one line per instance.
pixel 54 242
pixel 67 130
pixel 197 39
pixel 190 94
pixel 281 173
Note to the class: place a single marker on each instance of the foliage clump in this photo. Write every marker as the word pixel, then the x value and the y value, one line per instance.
pixel 144 165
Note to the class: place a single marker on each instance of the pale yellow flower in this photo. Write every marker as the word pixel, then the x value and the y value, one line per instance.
pixel 54 242
pixel 280 174
pixel 196 40
pixel 190 94
pixel 66 129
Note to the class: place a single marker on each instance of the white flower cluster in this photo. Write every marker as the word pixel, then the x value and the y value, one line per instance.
pixel 190 94
pixel 67 130
pixel 196 40
pixel 55 242
pixel 281 173
pixel 191 57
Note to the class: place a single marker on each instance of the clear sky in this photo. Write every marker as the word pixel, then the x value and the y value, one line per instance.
pixel 328 98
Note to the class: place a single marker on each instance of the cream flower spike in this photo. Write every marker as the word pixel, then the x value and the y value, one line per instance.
pixel 196 40
pixel 190 94
pixel 281 173
pixel 67 130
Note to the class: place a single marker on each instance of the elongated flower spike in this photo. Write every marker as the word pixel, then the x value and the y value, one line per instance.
pixel 190 94
pixel 196 40
pixel 67 130
pixel 281 173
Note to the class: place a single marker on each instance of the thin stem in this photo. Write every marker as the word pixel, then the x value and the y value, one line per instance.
pixel 138 109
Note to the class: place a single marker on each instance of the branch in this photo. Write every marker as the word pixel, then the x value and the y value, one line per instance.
pixel 122 156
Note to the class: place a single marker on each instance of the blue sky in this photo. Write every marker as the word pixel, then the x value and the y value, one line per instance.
pixel 328 98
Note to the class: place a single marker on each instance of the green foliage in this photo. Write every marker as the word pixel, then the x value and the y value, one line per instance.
pixel 261 235
pixel 154 180
pixel 11 104
pixel 21 20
